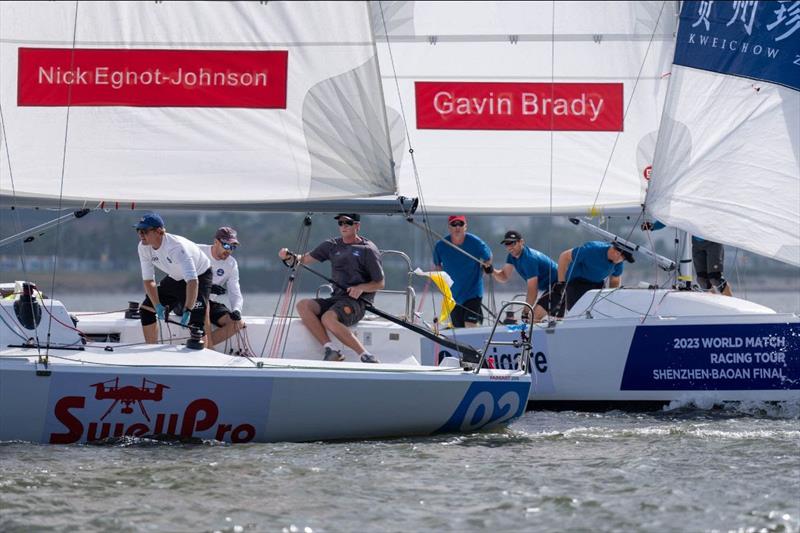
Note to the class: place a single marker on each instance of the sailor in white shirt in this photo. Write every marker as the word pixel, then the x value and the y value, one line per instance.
pixel 226 281
pixel 188 282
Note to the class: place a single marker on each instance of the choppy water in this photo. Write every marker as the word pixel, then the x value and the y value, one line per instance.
pixel 683 469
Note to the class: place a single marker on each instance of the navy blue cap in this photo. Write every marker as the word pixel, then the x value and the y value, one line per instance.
pixel 355 217
pixel 150 220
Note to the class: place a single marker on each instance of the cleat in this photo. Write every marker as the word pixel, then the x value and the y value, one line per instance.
pixel 333 355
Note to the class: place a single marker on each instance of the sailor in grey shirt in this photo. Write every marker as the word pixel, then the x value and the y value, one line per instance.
pixel 357 272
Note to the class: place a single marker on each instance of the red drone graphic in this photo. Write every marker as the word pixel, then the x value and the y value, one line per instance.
pixel 128 394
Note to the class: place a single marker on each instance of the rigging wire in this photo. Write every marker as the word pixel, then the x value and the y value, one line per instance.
pixel 593 208
pixel 61 184
pixel 422 204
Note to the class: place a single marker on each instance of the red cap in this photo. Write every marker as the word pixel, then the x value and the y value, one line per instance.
pixel 454 218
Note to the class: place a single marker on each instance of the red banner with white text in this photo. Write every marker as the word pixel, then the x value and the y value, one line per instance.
pixel 152 78
pixel 519 106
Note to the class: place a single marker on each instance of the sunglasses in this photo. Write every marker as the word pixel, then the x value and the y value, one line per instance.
pixel 346 222
pixel 456 224
pixel 510 243
pixel 144 231
pixel 229 247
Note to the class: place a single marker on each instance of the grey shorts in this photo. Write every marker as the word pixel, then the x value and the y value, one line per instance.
pixel 348 310
pixel 707 256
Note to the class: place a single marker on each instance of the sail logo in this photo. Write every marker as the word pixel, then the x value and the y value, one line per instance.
pixel 519 106
pixel 152 78
pixel 754 39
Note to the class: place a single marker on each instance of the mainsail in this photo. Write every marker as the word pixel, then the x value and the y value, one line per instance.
pixel 192 104
pixel 727 165
pixel 526 107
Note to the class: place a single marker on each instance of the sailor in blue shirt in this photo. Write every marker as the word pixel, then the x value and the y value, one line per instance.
pixel 586 267
pixel 465 271
pixel 538 270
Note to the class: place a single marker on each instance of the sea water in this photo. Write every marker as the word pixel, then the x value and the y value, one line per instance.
pixel 678 469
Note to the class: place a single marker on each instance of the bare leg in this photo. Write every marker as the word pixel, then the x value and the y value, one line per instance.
pixel 308 311
pixel 331 322
pixel 150 333
pixel 471 324
pixel 228 327
pixel 539 313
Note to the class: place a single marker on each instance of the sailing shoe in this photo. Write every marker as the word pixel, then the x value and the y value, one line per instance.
pixel 368 358
pixel 333 355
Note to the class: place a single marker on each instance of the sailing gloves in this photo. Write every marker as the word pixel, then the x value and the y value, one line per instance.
pixel 218 290
pixel 160 311
pixel 488 269
pixel 236 316
pixel 291 259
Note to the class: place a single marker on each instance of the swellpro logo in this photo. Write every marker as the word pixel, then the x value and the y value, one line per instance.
pixel 152 78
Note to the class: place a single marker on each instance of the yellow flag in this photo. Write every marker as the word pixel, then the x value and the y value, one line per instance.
pixel 442 280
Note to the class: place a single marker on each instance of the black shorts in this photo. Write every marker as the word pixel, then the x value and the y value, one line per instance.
pixel 469 311
pixel 544 301
pixel 578 287
pixel 217 311
pixel 172 294
pixel 708 257
pixel 348 310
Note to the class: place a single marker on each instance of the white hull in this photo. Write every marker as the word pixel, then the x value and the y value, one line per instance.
pixel 633 346
pixel 95 393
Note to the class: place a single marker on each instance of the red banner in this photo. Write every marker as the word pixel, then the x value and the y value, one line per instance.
pixel 151 78
pixel 519 106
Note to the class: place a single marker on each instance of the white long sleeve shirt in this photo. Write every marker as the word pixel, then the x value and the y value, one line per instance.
pixel 226 274
pixel 179 257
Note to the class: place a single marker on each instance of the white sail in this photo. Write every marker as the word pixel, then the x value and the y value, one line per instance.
pixel 191 103
pixel 473 82
pixel 728 160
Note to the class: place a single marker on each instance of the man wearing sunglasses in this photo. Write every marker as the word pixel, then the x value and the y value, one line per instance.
pixel 464 270
pixel 187 284
pixel 538 270
pixel 356 269
pixel 225 270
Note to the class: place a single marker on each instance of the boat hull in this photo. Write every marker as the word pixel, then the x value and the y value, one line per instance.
pixel 233 401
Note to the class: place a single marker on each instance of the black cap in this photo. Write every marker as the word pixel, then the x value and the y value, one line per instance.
pixel 627 254
pixel 355 217
pixel 511 236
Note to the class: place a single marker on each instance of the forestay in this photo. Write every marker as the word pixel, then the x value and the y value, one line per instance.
pixel 191 103
pixel 474 82
pixel 728 160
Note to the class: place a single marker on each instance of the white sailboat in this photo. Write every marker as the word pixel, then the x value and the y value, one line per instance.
pixel 501 103
pixel 725 167
pixel 216 106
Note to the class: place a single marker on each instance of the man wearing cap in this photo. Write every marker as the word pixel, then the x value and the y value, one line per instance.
pixel 225 270
pixel 584 268
pixel 538 270
pixel 357 274
pixel 188 281
pixel 463 256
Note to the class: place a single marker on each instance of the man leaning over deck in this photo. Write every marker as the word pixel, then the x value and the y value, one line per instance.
pixel 187 284
pixel 584 268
